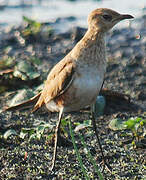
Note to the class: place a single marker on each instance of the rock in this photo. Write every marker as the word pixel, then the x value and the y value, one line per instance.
pixel 99 106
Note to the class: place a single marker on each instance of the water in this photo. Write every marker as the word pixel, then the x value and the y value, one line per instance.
pixel 49 10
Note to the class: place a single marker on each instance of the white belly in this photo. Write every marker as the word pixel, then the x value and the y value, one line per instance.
pixel 88 87
pixel 85 90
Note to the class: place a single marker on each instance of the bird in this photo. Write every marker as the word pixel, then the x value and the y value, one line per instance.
pixel 76 80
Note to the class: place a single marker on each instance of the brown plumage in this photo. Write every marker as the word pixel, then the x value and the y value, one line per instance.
pixel 76 80
pixel 57 82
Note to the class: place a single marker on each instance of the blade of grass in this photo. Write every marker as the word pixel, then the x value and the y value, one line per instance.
pixel 77 152
pixel 91 158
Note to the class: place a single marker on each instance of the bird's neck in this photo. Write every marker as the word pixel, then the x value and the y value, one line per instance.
pixel 93 36
pixel 91 48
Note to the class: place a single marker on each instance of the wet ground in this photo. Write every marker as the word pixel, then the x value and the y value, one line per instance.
pixel 41 48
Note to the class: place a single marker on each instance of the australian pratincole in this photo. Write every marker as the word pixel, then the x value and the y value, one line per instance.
pixel 76 80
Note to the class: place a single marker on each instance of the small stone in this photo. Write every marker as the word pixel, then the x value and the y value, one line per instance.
pixel 99 105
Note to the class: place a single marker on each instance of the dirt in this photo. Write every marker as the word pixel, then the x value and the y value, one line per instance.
pixel 30 159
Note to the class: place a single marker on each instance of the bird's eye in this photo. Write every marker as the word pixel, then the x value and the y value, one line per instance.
pixel 107 17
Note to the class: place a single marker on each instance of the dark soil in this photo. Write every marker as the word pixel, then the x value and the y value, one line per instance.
pixel 24 159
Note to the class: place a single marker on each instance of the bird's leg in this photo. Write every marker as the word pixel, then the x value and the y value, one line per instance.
pixel 96 132
pixel 97 136
pixel 56 139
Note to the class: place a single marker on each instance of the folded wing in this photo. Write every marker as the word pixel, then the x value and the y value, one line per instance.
pixel 58 81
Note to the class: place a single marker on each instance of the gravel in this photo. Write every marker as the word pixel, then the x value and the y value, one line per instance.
pixel 24 159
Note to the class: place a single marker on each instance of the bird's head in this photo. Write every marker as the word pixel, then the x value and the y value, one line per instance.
pixel 104 19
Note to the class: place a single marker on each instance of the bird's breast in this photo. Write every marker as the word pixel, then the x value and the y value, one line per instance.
pixel 84 89
pixel 82 92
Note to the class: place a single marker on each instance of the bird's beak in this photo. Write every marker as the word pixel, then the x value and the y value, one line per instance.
pixel 125 16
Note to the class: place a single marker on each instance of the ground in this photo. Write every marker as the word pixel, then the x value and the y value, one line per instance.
pixel 25 158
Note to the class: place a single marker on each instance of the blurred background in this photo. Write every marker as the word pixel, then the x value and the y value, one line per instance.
pixel 34 36
pixel 11 11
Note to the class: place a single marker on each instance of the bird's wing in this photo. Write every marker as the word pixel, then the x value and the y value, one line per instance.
pixel 58 81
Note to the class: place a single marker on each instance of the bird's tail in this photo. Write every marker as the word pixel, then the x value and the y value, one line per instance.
pixel 39 103
pixel 25 105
